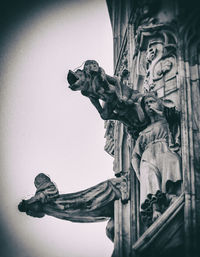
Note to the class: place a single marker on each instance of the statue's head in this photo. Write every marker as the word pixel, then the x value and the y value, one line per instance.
pixel 76 79
pixel 40 179
pixel 91 66
pixel 152 105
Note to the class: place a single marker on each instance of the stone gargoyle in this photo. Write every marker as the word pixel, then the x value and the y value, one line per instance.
pixel 120 102
pixel 90 205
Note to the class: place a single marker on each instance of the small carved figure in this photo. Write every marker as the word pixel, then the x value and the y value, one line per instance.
pixel 46 192
pixel 90 205
pixel 156 165
pixel 94 83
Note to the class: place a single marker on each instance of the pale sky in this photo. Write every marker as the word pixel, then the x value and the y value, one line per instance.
pixel 45 127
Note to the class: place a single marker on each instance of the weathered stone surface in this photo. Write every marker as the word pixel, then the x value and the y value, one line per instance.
pixel 174 74
pixel 90 205
pixel 155 142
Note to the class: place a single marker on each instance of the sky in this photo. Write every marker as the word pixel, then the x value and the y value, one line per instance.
pixel 46 127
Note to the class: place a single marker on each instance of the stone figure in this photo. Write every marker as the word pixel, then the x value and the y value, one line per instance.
pixel 96 85
pixel 160 64
pixel 90 205
pixel 155 58
pixel 120 102
pixel 154 160
pixel 46 192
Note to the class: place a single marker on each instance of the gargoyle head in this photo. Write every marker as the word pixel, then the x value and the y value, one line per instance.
pixel 76 79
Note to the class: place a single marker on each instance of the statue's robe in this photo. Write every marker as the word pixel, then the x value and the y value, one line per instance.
pixel 90 205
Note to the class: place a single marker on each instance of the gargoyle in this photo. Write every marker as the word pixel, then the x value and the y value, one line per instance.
pixel 120 102
pixel 90 205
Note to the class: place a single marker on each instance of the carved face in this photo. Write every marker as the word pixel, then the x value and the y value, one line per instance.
pixel 91 66
pixel 79 84
pixel 152 106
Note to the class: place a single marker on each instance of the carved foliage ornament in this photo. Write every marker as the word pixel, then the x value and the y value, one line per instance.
pixel 156 58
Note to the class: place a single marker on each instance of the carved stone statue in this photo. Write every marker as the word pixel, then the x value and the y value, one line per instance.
pixel 120 102
pixel 46 192
pixel 155 161
pixel 91 205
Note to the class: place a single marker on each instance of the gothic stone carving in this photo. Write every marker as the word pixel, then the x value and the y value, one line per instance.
pixel 122 70
pixel 156 62
pixel 145 12
pixel 120 101
pixel 156 58
pixel 156 165
pixel 90 205
pixel 154 156
pixel 157 66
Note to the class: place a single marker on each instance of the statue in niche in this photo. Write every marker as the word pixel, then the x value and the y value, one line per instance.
pixel 154 158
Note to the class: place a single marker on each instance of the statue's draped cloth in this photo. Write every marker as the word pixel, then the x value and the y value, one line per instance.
pixel 91 205
pixel 158 164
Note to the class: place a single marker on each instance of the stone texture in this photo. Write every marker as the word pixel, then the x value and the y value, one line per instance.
pixel 156 51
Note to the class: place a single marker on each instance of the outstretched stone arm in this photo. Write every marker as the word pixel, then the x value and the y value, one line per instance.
pixel 91 205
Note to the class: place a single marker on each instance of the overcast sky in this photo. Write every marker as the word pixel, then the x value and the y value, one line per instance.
pixel 45 127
